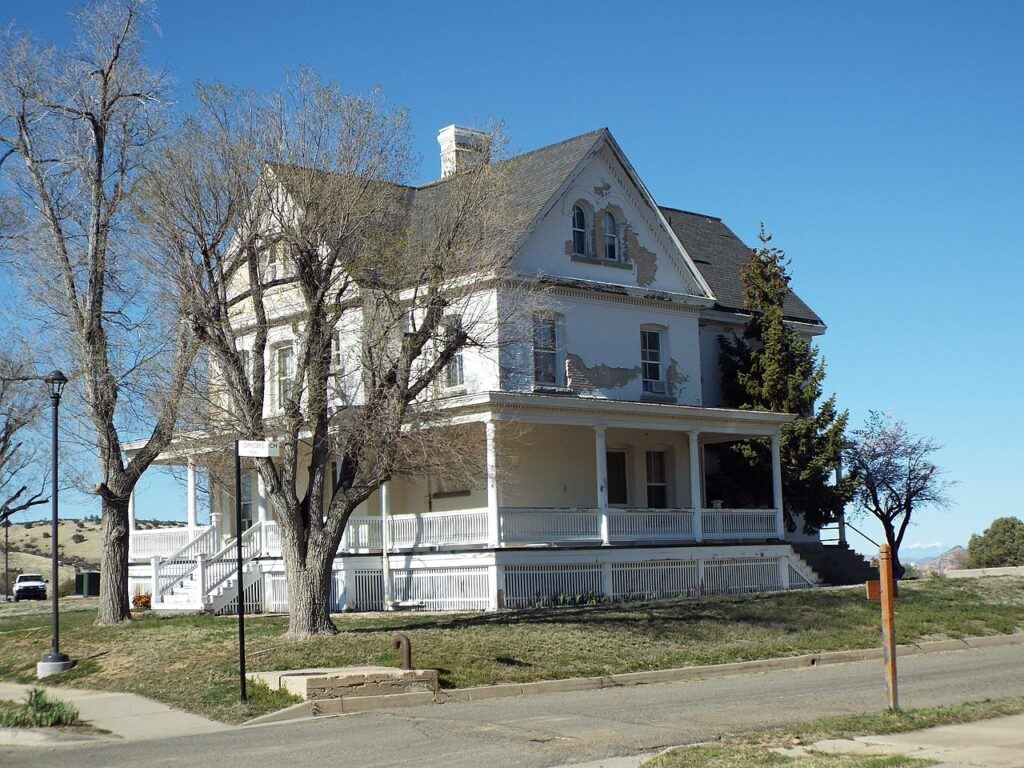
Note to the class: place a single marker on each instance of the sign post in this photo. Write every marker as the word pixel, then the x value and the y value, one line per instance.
pixel 257 449
pixel 884 590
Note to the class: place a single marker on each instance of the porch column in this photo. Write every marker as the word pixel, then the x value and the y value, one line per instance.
pixel 601 446
pixel 385 545
pixel 261 498
pixel 493 498
pixel 131 512
pixel 780 528
pixel 193 521
pixel 695 486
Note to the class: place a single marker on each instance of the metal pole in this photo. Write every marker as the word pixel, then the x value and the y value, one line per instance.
pixel 54 510
pixel 886 588
pixel 238 578
pixel 7 586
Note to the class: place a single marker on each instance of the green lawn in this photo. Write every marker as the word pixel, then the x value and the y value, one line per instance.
pixel 189 661
pixel 765 747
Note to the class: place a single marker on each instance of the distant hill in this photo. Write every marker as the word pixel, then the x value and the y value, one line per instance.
pixel 950 559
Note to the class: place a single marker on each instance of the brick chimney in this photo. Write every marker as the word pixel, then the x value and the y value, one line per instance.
pixel 460 148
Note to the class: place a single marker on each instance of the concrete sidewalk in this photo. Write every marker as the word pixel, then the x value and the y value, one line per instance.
pixel 997 743
pixel 131 717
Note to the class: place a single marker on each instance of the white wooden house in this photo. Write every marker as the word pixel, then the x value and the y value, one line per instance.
pixel 600 416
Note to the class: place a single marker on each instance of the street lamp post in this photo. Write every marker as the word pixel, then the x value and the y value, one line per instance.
pixel 54 661
pixel 7 570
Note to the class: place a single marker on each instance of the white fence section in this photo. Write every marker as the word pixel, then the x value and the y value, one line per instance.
pixel 158 542
pixel 530 585
pixel 727 524
pixel 655 578
pixel 443 589
pixel 253 597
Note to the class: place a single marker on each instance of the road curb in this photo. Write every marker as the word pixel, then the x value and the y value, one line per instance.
pixel 355 704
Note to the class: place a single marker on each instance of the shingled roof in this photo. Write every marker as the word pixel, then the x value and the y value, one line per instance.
pixel 719 254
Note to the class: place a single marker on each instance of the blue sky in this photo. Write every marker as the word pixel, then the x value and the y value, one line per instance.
pixel 879 142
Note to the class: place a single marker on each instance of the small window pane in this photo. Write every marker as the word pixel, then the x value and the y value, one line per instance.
pixel 650 361
pixel 657 486
pixel 545 351
pixel 579 231
pixel 611 237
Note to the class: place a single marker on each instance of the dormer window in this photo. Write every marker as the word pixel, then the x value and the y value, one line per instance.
pixel 611 237
pixel 579 231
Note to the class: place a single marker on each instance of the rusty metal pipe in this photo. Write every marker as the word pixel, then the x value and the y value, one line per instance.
pixel 401 640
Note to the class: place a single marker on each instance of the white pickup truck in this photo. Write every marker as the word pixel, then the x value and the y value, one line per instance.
pixel 29 586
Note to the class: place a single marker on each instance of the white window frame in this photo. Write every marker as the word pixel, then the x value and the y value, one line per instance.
pixel 649 356
pixel 650 482
pixel 611 239
pixel 280 390
pixel 454 372
pixel 579 228
pixel 546 349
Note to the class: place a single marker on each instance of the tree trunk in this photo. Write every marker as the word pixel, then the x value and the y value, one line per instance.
pixel 309 594
pixel 114 599
pixel 890 538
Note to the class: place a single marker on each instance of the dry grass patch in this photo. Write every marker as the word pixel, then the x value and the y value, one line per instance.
pixel 190 661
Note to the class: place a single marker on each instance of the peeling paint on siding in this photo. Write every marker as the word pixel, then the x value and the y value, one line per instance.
pixel 646 261
pixel 602 190
pixel 676 380
pixel 570 249
pixel 580 376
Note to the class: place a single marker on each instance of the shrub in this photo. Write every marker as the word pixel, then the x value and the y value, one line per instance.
pixel 46 534
pixel 38 711
pixel 77 538
pixel 142 601
pixel 1002 544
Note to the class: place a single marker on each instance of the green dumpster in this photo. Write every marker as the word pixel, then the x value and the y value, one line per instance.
pixel 87 583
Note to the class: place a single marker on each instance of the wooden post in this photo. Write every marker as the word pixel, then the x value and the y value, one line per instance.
pixel 887 589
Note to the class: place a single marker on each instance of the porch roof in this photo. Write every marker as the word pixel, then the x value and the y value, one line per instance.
pixel 631 414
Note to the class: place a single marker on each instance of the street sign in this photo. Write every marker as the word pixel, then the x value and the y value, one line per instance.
pixel 266 449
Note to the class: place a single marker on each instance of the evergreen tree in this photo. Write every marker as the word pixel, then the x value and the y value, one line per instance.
pixel 771 367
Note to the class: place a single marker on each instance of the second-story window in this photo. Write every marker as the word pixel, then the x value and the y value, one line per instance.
pixel 579 231
pixel 545 350
pixel 651 361
pixel 611 237
pixel 285 374
pixel 453 372
pixel 272 268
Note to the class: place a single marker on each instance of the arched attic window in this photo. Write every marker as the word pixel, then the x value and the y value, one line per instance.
pixel 579 231
pixel 611 236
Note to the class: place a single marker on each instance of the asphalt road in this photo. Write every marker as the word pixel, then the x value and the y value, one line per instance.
pixel 558 728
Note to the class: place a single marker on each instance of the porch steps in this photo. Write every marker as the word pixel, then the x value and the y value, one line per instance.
pixel 835 564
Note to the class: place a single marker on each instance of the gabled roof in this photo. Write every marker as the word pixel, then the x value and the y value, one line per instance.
pixel 535 177
pixel 719 254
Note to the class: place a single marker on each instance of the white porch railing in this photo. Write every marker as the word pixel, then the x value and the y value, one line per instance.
pixel 544 526
pixel 180 564
pixel 725 524
pixel 159 542
pixel 438 529
pixel 549 526
pixel 650 524
pixel 222 565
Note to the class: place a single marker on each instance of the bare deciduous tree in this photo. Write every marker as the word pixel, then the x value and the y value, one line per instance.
pixel 895 475
pixel 22 472
pixel 341 299
pixel 75 126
